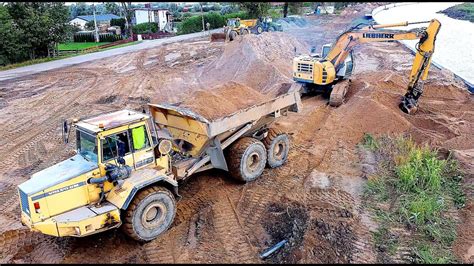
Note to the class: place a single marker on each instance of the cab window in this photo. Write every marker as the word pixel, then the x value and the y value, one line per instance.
pixel 114 145
pixel 139 138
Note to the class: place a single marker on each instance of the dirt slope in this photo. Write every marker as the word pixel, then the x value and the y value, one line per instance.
pixel 313 201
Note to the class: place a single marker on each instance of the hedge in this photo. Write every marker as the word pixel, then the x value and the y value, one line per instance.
pixel 215 19
pixel 147 27
pixel 103 37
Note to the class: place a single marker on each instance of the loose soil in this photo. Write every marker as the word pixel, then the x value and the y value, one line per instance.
pixel 222 100
pixel 313 201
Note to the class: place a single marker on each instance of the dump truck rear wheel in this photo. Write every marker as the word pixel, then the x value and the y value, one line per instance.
pixel 232 35
pixel 259 29
pixel 278 146
pixel 247 158
pixel 151 213
pixel 244 31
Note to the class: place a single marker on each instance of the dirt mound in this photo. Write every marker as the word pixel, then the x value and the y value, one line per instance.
pixel 295 22
pixel 258 61
pixel 222 100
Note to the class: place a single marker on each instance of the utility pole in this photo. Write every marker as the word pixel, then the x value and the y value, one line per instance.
pixel 202 17
pixel 95 25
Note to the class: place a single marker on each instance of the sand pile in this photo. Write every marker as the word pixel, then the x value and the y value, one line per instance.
pixel 222 100
pixel 261 62
pixel 294 22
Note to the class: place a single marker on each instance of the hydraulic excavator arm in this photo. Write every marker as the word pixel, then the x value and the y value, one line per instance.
pixel 378 33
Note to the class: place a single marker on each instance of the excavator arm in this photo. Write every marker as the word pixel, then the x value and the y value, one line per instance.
pixel 372 33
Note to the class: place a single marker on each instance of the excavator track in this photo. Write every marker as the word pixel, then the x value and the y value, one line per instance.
pixel 339 92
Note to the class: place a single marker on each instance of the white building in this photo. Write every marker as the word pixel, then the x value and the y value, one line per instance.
pixel 81 21
pixel 161 16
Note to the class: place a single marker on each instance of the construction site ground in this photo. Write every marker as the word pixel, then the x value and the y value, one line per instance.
pixel 313 201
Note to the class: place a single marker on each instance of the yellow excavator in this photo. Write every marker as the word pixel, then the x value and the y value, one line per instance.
pixel 329 72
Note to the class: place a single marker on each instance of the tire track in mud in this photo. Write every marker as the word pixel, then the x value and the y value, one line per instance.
pixel 229 230
pixel 21 245
pixel 42 135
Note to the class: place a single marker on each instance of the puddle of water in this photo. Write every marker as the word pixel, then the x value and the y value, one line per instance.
pixel 454 41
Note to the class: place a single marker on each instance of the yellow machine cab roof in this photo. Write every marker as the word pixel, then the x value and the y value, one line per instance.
pixel 110 120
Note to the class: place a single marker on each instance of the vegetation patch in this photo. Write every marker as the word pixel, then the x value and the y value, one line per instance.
pixel 413 190
pixel 216 20
pixel 79 45
pixel 463 11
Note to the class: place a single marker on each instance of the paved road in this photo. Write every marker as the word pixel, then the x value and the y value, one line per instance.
pixel 33 69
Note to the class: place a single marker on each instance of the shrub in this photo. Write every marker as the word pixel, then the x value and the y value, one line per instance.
pixel 103 37
pixel 421 209
pixel 194 23
pixel 421 170
pixel 369 142
pixel 147 27
pixel 118 22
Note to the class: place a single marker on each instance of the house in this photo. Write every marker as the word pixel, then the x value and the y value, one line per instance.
pixel 161 16
pixel 325 9
pixel 277 4
pixel 81 21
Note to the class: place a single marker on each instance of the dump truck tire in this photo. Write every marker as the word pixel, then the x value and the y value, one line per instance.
pixel 232 35
pixel 246 158
pixel 259 29
pixel 244 31
pixel 278 147
pixel 151 213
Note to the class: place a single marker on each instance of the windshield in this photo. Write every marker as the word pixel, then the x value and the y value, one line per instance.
pixel 86 146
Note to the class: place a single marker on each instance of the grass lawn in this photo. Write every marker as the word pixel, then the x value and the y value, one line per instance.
pixel 34 61
pixel 79 45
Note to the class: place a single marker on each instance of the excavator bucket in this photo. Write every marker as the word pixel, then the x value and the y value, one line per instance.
pixel 218 37
pixel 408 105
pixel 338 93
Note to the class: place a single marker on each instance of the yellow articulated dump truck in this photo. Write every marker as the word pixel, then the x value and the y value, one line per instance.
pixel 129 165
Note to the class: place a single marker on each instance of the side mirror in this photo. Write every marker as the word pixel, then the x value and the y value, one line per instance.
pixel 65 133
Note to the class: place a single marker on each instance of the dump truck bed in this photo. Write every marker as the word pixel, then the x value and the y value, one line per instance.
pixel 164 114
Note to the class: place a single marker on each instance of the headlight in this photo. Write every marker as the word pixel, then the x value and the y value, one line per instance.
pixel 164 146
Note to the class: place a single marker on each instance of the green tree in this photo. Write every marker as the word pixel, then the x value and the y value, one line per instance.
pixel 83 9
pixel 11 48
pixel 112 8
pixel 255 9
pixel 295 8
pixel 90 25
pixel 118 22
pixel 127 8
pixel 44 25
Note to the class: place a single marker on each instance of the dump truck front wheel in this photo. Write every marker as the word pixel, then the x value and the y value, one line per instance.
pixel 232 35
pixel 278 146
pixel 151 213
pixel 247 158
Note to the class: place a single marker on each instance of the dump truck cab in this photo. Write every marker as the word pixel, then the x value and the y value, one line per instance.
pixel 78 196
